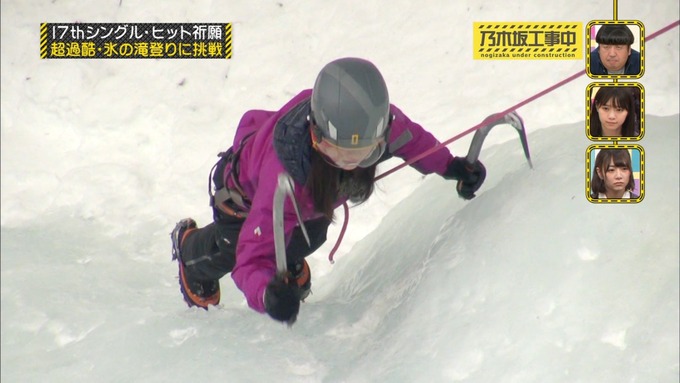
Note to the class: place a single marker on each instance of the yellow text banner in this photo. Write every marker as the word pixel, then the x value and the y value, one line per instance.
pixel 528 40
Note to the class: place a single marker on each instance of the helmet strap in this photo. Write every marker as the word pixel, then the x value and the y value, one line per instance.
pixel 314 133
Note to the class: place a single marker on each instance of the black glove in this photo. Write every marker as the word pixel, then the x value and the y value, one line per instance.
pixel 470 176
pixel 281 300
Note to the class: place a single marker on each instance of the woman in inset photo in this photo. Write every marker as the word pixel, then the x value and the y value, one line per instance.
pixel 613 175
pixel 614 113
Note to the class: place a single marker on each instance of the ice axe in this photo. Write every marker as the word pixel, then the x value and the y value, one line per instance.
pixel 284 188
pixel 511 118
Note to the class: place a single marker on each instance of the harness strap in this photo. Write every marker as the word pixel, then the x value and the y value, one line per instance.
pixel 225 194
pixel 232 201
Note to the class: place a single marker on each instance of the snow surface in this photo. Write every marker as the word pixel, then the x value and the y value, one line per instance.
pixel 529 282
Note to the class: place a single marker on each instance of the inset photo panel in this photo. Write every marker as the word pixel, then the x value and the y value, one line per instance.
pixel 615 111
pixel 615 49
pixel 615 173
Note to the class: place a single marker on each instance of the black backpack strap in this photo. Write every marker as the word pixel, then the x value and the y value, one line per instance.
pixel 216 174
pixel 232 201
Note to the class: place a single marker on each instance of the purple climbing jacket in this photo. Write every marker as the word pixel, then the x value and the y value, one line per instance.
pixel 280 142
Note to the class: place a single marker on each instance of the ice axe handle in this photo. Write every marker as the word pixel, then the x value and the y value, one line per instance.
pixel 470 168
pixel 284 189
pixel 478 139
pixel 511 118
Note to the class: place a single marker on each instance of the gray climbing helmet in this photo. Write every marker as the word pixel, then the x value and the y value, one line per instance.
pixel 351 106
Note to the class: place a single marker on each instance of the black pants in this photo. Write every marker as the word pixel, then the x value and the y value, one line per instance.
pixel 209 253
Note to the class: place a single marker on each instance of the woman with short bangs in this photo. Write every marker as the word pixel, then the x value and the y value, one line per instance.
pixel 613 113
pixel 613 177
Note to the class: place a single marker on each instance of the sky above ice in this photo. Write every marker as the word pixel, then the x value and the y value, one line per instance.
pixel 529 282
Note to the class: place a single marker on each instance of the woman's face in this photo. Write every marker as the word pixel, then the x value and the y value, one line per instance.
pixel 611 118
pixel 615 179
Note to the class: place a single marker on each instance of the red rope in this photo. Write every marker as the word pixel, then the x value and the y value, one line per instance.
pixel 342 232
pixel 496 117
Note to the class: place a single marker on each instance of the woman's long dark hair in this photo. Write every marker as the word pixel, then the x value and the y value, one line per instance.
pixel 328 183
pixel 620 158
pixel 621 97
